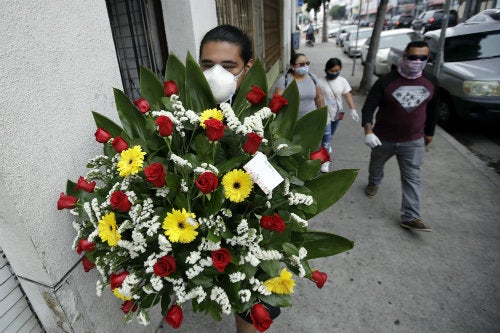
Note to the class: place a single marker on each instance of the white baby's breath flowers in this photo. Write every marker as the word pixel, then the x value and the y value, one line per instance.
pixel 237 277
pixel 179 161
pixel 219 296
pixel 299 198
pixel 299 220
pixel 244 295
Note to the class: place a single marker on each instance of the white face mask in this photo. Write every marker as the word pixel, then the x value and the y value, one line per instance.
pixel 221 82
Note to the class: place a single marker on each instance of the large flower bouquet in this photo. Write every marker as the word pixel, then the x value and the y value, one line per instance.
pixel 210 204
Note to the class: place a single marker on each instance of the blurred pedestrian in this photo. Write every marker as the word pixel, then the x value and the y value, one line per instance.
pixel 309 92
pixel 334 87
pixel 405 122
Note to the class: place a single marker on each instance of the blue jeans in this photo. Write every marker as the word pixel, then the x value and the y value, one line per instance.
pixel 410 156
pixel 329 132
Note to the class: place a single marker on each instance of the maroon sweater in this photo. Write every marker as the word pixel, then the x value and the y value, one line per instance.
pixel 407 109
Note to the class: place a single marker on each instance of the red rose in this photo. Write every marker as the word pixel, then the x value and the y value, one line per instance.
pixel 119 201
pixel 102 136
pixel 252 144
pixel 116 280
pixel 155 174
pixel 215 129
pixel 319 278
pixel 119 144
pixel 256 95
pixel 170 88
pixel 85 245
pixel 165 125
pixel 164 266
pixel 87 264
pixel 221 258
pixel 277 103
pixel 321 154
pixel 261 318
pixel 273 223
pixel 66 201
pixel 174 316
pixel 207 182
pixel 142 104
pixel 84 185
pixel 128 306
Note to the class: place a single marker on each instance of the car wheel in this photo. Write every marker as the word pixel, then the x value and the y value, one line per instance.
pixel 445 110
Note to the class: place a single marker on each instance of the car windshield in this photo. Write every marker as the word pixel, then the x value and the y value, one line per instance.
pixel 472 47
pixel 396 40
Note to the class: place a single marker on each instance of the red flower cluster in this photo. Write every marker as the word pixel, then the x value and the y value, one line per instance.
pixel 119 201
pixel 261 318
pixel 321 154
pixel 174 316
pixel 164 266
pixel 221 258
pixel 165 125
pixel 155 174
pixel 207 182
pixel 142 104
pixel 273 223
pixel 277 103
pixel 319 278
pixel 214 129
pixel 116 280
pixel 170 88
pixel 255 96
pixel 252 144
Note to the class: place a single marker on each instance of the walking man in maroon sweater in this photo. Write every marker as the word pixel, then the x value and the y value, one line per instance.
pixel 404 123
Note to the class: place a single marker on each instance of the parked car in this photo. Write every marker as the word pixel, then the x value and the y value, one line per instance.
pixel 486 15
pixel 354 40
pixel 388 39
pixel 342 33
pixel 433 20
pixel 469 79
pixel 332 29
pixel 400 21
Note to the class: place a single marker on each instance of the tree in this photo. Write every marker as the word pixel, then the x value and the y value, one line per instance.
pixel 366 80
pixel 337 12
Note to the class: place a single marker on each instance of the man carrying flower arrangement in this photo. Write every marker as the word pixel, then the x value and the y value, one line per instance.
pixel 190 202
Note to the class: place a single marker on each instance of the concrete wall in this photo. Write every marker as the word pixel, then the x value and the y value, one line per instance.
pixel 186 22
pixel 58 63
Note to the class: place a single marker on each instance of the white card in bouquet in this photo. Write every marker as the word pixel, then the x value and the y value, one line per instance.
pixel 263 173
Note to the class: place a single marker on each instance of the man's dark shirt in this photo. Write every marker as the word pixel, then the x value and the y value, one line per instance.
pixel 407 109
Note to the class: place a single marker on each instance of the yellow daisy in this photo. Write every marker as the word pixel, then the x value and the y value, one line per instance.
pixel 210 114
pixel 107 229
pixel 120 295
pixel 180 226
pixel 282 284
pixel 131 161
pixel 237 185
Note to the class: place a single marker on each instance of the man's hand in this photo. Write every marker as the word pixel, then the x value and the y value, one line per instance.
pixel 427 139
pixel 372 141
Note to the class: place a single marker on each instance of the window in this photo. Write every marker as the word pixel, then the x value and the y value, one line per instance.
pixel 472 47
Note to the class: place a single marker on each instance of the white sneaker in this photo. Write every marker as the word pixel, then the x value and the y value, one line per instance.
pixel 325 167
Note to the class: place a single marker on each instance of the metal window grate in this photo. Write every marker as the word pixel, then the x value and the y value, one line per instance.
pixel 16 314
pixel 139 37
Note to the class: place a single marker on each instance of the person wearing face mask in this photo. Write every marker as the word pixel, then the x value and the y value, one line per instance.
pixel 309 91
pixel 226 55
pixel 333 87
pixel 407 114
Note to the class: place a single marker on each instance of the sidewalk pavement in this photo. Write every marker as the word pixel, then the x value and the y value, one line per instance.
pixel 395 280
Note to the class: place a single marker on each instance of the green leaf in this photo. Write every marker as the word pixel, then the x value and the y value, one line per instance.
pixel 271 267
pixel 176 71
pixel 107 124
pixel 290 249
pixel 277 300
pixel 328 188
pixel 151 87
pixel 290 149
pixel 212 206
pixel 308 169
pixel 132 120
pixel 198 93
pixel 165 303
pixel 323 244
pixel 309 130
pixel 284 124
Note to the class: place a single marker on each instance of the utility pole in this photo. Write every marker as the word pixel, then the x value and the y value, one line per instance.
pixel 439 56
